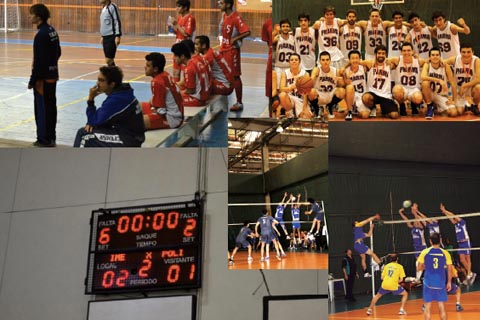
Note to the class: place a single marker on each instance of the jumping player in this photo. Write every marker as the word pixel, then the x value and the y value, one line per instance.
pixel 233 31
pixel 279 213
pixel 319 216
pixel 242 242
pixel 296 220
pixel 361 248
pixel 184 27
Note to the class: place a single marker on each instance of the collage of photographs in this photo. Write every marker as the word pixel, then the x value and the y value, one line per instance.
pixel 254 159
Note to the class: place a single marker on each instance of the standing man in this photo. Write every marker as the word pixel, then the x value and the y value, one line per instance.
pixel 349 268
pixel 44 77
pixel 233 31
pixel 375 32
pixel 110 29
pixel 184 27
pixel 350 36
pixel 447 34
pixel 434 261
pixel 267 38
pixel 419 36
pixel 305 41
pixel 396 35
pixel 284 43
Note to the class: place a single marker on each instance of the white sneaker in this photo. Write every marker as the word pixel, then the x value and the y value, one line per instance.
pixel 367 275
pixel 402 312
pixel 288 237
pixel 278 257
pixel 284 254
pixel 373 113
pixel 472 278
pixel 267 258
pixel 250 259
pixel 369 311
pixel 262 259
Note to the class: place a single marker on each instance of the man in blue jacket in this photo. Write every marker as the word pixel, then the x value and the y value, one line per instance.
pixel 44 77
pixel 119 121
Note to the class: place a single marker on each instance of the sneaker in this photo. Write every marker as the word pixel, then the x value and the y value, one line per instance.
pixel 429 114
pixel 367 275
pixel 373 113
pixel 402 312
pixel 278 257
pixel 288 237
pixel 262 259
pixel 414 110
pixel 230 262
pixel 472 278
pixel 458 307
pixel 267 258
pixel 316 234
pixel 403 110
pixel 237 107
pixel 330 112
pixel 250 259
pixel 349 116
pixel 355 110
pixel 284 255
pixel 423 308
pixel 369 311
pixel 39 144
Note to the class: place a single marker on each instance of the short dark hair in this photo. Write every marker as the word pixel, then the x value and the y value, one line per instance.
pixel 466 45
pixel 296 55
pixel 190 45
pixel 203 40
pixel 351 11
pixel 41 11
pixel 396 13
pixel 354 52
pixel 437 14
pixel 183 3
pixel 435 238
pixel 311 200
pixel 229 2
pixel 112 74
pixel 328 9
pixel 407 44
pixel 373 10
pixel 412 16
pixel 304 15
pixel 179 49
pixel 245 223
pixel 283 21
pixel 393 257
pixel 380 47
pixel 324 53
pixel 157 59
pixel 434 49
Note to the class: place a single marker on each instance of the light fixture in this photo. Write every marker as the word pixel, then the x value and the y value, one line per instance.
pixel 229 123
pixel 279 128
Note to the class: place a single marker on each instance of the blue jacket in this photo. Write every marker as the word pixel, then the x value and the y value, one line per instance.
pixel 46 52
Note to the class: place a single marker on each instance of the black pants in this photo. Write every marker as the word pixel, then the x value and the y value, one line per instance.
pixel 349 283
pixel 45 102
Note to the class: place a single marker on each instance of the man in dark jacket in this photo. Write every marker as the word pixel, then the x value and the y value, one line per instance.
pixel 349 268
pixel 43 81
pixel 119 121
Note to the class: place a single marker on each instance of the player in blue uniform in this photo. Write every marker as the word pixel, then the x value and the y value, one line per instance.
pixel 296 222
pixel 360 247
pixel 267 227
pixel 242 242
pixel 319 216
pixel 279 213
pixel 434 261
pixel 463 240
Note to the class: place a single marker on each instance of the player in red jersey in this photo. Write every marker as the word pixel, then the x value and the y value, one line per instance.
pixel 197 75
pixel 233 31
pixel 221 72
pixel 267 37
pixel 165 109
pixel 184 27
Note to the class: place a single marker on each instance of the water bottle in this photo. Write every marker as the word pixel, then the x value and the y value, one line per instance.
pixel 170 24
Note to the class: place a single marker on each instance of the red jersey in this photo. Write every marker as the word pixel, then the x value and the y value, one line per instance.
pixel 187 22
pixel 165 94
pixel 232 25
pixel 221 71
pixel 198 76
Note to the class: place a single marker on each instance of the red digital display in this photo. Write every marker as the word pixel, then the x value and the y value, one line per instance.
pixel 151 247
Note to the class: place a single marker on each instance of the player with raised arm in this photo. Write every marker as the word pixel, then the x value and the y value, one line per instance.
pixel 280 211
pixel 363 249
pixel 319 216
pixel 446 33
pixel 295 208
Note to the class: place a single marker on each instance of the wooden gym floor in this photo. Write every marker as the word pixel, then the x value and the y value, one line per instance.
pixel 293 260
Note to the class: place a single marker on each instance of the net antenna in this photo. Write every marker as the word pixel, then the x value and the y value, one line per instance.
pixel 377 4
pixel 9 15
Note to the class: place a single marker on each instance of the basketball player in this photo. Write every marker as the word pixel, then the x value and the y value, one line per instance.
pixel 419 36
pixel 375 33
pixel 361 248
pixel 354 77
pixel 242 242
pixel 279 213
pixel 350 36
pixel 392 274
pixel 267 227
pixel 396 35
pixel 466 69
pixel 447 34
pixel 435 261
pixel 184 27
pixel 418 238
pixel 463 241
pixel 234 30
pixel 305 41
pixel 285 46
pixel 407 80
pixel 295 207
pixel 327 89
pixel 319 216
pixel 435 77
pixel 379 83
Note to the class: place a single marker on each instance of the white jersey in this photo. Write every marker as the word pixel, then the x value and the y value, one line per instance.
pixel 464 73
pixel 284 49
pixel 359 79
pixel 291 80
pixel 448 42
pixel 305 47
pixel 379 80
pixel 350 39
pixel 326 81
pixel 438 73
pixel 408 75
pixel 328 40
pixel 395 39
pixel 422 42
pixel 374 36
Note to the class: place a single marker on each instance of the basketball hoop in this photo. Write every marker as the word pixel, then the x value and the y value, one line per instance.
pixel 377 4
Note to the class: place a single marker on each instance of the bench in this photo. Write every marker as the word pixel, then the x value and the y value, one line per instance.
pixel 192 125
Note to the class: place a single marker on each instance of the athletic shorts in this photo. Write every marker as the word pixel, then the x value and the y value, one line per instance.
pixel 361 248
pixel 223 89
pixel 324 97
pixel 267 238
pixel 387 105
pixel 461 101
pixel 280 221
pixel 189 101
pixel 157 121
pixel 409 92
pixel 232 56
pixel 279 72
pixel 464 245
pixel 357 101
pixel 441 102
pixel 430 294
pixel 319 216
pixel 397 292
pixel 296 224
pixel 243 244
pixel 454 289
pixel 297 104
pixel 109 46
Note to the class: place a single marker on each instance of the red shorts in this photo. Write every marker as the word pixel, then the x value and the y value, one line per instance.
pixel 157 121
pixel 220 88
pixel 232 56
pixel 189 101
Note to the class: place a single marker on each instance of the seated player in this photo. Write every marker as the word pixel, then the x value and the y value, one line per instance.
pixel 197 76
pixel 435 77
pixel 165 109
pixel 355 79
pixel 392 274
pixel 360 247
pixel 119 121
pixel 241 242
pixel 222 75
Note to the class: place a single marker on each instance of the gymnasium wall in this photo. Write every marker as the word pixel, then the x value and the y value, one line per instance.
pixel 306 174
pixel 360 188
pixel 138 17
pixel 46 199
pixel 452 9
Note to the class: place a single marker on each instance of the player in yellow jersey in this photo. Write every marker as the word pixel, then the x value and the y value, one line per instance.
pixel 392 274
